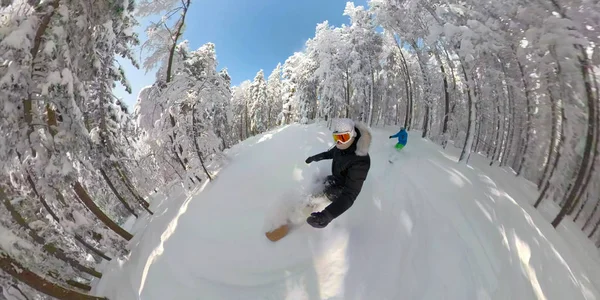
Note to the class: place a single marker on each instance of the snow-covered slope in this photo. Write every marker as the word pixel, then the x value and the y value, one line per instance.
pixel 423 227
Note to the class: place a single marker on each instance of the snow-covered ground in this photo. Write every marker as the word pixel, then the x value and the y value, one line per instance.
pixel 423 227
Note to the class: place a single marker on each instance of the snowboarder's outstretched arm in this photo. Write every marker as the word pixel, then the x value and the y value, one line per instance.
pixel 402 136
pixel 321 156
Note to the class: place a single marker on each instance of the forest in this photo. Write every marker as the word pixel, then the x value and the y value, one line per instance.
pixel 515 81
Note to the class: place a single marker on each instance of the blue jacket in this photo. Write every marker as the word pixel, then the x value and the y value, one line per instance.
pixel 402 137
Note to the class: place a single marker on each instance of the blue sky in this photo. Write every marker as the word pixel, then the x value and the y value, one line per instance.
pixel 248 35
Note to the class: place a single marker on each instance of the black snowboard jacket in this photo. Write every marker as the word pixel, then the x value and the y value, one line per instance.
pixel 349 168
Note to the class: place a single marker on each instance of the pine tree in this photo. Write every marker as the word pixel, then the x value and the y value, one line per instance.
pixel 274 94
pixel 258 104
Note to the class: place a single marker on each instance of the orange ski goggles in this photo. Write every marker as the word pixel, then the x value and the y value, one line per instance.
pixel 342 137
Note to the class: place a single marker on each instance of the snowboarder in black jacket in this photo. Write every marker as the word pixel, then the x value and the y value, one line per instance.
pixel 349 169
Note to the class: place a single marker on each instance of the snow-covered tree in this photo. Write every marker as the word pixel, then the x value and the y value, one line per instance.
pixel 61 67
pixel 259 110
pixel 274 97
pixel 195 109
pixel 240 101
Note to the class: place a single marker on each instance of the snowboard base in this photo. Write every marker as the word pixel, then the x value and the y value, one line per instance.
pixel 293 223
pixel 278 233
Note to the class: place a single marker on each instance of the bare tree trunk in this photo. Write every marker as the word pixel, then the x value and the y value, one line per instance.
pixel 440 22
pixel 398 109
pixel 500 149
pixel 247 127
pixel 371 100
pixel 269 105
pixel 426 121
pixel 495 148
pixel 516 145
pixel 18 271
pixel 489 122
pixel 454 90
pixel 42 200
pixel 509 114
pixel 512 132
pixel 42 29
pixel 478 134
pixel 584 172
pixel 37 41
pixel 131 188
pixel 486 142
pixel 503 136
pixel 175 38
pixel 171 165
pixel 508 140
pixel 446 96
pixel 172 139
pixel 595 229
pixel 16 287
pixel 59 196
pixel 87 245
pixel 552 144
pixel 556 158
pixel 426 85
pixel 592 124
pixel 50 248
pixel 89 203
pixel 519 147
pixel 476 118
pixel 528 124
pixel 107 148
pixel 589 219
pixel 380 113
pixel 194 122
pixel 347 93
pixel 55 217
pixel 408 116
pixel 241 129
pixel 587 197
pixel 471 123
pixel 409 93
pixel 117 194
pixel 178 33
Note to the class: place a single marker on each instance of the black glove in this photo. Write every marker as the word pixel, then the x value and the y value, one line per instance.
pixel 390 136
pixel 319 219
pixel 310 159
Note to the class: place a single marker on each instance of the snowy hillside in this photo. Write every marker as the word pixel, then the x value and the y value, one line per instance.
pixel 423 227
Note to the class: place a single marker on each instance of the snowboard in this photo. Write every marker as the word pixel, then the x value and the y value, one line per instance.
pixel 278 233
pixel 296 215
